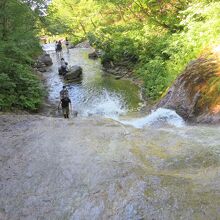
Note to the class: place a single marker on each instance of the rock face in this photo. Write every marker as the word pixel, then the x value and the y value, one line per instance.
pixel 41 68
pixel 45 59
pixel 75 73
pixel 42 62
pixel 195 95
pixel 94 168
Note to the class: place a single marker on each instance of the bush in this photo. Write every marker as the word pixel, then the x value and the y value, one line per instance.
pixel 155 78
pixel 20 88
pixel 119 43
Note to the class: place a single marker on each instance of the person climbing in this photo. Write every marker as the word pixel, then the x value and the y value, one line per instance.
pixel 64 93
pixel 66 106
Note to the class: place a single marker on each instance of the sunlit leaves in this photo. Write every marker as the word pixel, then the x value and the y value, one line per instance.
pixel 158 37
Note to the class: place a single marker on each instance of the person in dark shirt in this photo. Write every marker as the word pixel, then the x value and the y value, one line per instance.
pixel 59 46
pixel 64 93
pixel 66 106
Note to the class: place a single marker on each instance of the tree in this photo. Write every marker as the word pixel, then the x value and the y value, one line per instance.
pixel 19 25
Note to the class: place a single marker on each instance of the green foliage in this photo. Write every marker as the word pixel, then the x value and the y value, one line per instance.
pixel 155 77
pixel 152 65
pixel 7 91
pixel 20 88
pixel 158 38
pixel 201 32
pixel 119 42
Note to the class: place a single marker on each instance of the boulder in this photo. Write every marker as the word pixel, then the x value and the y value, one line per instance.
pixel 42 69
pixel 195 95
pixel 93 55
pixel 45 59
pixel 74 73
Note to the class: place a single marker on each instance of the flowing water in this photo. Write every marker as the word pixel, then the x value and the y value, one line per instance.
pixel 177 165
pixel 109 165
pixel 98 93
pixel 101 94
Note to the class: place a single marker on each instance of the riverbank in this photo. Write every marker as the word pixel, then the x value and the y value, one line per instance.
pixel 194 94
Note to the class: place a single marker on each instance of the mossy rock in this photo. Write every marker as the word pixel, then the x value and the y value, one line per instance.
pixel 195 95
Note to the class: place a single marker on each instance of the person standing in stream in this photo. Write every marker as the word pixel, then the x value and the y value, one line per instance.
pixel 64 93
pixel 66 106
pixel 65 102
pixel 59 48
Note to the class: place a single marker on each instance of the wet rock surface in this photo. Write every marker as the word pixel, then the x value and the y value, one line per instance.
pixel 74 73
pixel 45 59
pixel 93 168
pixel 195 94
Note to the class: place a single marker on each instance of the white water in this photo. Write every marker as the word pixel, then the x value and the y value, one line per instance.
pixel 158 117
pixel 107 104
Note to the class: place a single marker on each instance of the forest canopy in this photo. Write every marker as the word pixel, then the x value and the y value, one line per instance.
pixel 156 37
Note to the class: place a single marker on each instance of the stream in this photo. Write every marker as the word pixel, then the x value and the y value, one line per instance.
pixel 98 93
pixel 109 162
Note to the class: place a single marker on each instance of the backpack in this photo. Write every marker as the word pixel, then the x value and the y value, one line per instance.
pixel 64 94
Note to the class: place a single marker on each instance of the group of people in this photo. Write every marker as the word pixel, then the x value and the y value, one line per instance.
pixel 58 46
pixel 65 101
